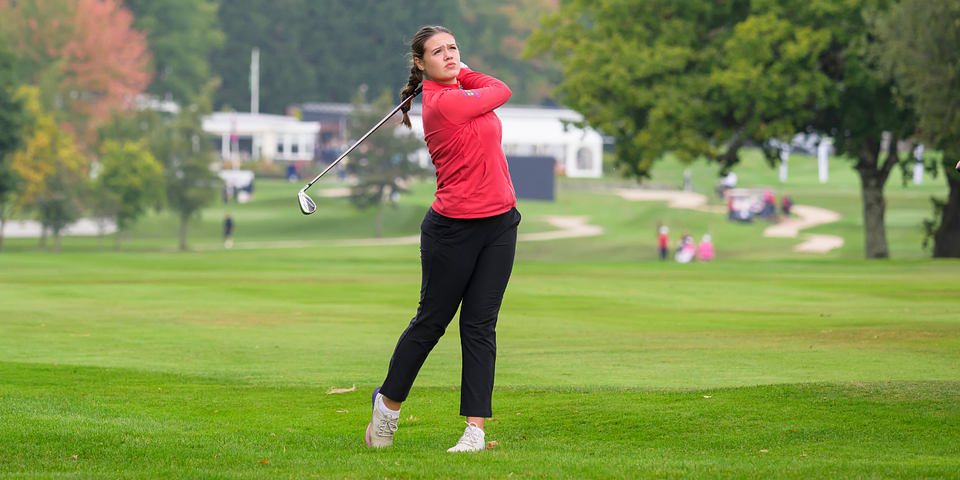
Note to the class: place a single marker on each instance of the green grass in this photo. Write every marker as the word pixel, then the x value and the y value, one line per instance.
pixel 201 365
pixel 767 363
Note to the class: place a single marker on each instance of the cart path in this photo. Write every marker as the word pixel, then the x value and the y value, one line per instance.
pixel 806 217
pixel 569 227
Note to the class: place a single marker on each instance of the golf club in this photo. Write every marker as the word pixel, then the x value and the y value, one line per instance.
pixel 307 205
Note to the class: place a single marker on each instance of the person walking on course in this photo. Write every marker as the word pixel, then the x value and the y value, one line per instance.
pixel 227 231
pixel 468 237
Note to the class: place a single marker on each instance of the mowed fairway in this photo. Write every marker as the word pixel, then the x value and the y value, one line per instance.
pixel 217 365
pixel 149 363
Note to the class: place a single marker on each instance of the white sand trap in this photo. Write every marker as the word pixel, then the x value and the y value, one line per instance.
pixel 570 227
pixel 819 244
pixel 334 192
pixel 674 199
pixel 808 217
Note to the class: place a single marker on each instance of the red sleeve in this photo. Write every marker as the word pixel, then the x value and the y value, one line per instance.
pixel 480 94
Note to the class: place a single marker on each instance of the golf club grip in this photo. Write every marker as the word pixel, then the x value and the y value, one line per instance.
pixel 364 137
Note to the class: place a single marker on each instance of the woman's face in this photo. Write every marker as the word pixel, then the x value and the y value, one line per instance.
pixel 441 59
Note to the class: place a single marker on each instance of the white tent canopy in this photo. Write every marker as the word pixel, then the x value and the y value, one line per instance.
pixel 262 136
pixel 534 131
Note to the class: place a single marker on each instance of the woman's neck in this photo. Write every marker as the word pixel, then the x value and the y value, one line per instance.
pixel 452 81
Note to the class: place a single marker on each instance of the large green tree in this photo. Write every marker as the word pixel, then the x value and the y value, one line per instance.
pixel 187 157
pixel 384 163
pixel 920 48
pixel 700 79
pixel 130 181
pixel 865 107
pixel 182 35
pixel 696 79
pixel 12 120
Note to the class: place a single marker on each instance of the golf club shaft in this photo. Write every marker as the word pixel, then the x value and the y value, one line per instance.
pixel 364 137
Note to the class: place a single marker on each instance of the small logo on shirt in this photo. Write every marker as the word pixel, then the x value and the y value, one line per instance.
pixel 470 93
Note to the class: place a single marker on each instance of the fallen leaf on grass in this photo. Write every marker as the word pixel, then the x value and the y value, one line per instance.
pixel 343 411
pixel 265 460
pixel 803 454
pixel 764 451
pixel 75 457
pixel 794 431
pixel 707 396
pixel 342 390
pixel 412 419
pixel 491 445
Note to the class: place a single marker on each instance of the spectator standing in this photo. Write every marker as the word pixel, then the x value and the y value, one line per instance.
pixel 227 231
pixel 663 241
pixel 786 204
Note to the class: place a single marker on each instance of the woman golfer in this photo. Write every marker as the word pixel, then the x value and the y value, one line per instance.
pixel 468 237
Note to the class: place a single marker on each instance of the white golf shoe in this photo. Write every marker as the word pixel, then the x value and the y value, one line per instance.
pixel 382 425
pixel 471 441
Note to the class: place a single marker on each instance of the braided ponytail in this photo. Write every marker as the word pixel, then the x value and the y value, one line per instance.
pixel 416 75
pixel 416 78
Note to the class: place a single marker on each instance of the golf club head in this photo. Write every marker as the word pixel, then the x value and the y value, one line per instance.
pixel 306 203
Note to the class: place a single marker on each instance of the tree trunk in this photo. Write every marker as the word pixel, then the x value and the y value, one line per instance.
pixel 101 232
pixel 184 220
pixel 378 223
pixel 873 176
pixel 43 236
pixel 946 241
pixel 874 206
pixel 56 241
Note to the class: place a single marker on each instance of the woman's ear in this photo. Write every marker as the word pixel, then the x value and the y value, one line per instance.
pixel 416 61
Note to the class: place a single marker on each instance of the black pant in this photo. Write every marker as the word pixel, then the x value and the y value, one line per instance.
pixel 468 261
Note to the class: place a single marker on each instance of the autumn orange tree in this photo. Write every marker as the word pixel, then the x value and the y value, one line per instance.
pixel 83 54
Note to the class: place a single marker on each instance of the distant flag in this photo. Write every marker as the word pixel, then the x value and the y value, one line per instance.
pixel 918 167
pixel 823 159
pixel 784 158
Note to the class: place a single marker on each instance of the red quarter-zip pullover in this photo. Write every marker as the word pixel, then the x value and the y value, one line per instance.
pixel 464 138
